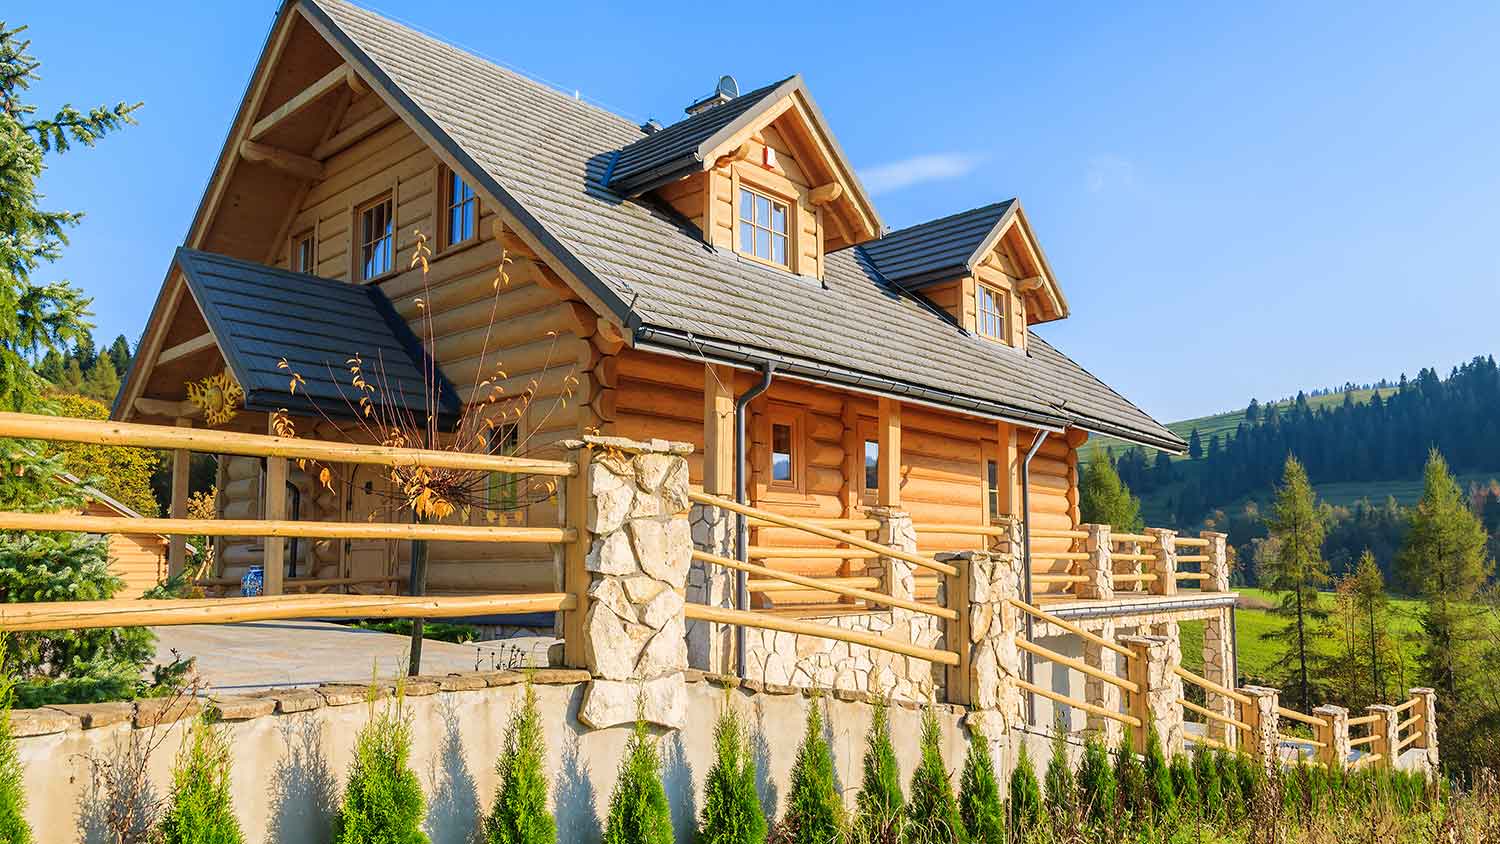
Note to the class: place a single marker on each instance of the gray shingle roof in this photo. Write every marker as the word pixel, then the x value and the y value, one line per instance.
pixel 260 315
pixel 936 249
pixel 662 156
pixel 543 155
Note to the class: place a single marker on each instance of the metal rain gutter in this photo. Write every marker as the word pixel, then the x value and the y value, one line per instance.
pixel 741 496
pixel 1036 445
pixel 1117 610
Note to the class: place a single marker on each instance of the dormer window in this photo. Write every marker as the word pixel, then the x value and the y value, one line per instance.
pixel 989 317
pixel 763 228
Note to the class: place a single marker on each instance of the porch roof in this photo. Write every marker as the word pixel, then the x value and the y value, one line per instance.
pixel 261 315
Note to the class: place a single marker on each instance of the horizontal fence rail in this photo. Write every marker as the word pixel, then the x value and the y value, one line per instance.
pixel 55 428
pixel 279 528
pixel 73 615
pixel 782 624
pixel 826 585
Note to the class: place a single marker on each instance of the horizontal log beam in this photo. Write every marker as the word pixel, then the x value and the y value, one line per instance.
pixel 1072 628
pixel 74 615
pixel 301 166
pixel 1058 697
pixel 280 528
pixel 763 621
pixel 185 348
pixel 58 429
pixel 1212 715
pixel 1077 665
pixel 1298 716
pixel 356 132
pixel 1209 685
pixel 169 409
pixel 827 586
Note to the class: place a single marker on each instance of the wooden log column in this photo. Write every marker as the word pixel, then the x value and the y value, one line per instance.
pixel 181 472
pixel 274 555
pixel 710 645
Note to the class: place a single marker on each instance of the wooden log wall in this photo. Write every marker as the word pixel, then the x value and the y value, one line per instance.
pixel 1054 506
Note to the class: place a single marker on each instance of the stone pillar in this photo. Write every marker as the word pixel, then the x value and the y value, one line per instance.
pixel 1218 667
pixel 1151 668
pixel 1164 566
pixel 994 660
pixel 1099 568
pixel 1217 567
pixel 1128 567
pixel 1385 728
pixel 898 577
pixel 1334 735
pixel 1427 708
pixel 711 646
pixel 1264 741
pixel 640 548
pixel 1100 693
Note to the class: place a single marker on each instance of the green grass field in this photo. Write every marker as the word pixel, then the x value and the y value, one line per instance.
pixel 1257 655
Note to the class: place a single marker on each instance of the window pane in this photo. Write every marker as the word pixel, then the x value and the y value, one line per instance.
pixel 747 237
pixel 992 470
pixel 778 248
pixel 872 464
pixel 746 200
pixel 455 224
pixel 781 452
pixel 778 218
pixel 762 211
pixel 471 206
pixel 763 244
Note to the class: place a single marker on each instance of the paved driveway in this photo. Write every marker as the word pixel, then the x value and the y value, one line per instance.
pixel 267 654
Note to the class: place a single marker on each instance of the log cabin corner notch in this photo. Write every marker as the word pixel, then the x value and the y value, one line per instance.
pixel 881 400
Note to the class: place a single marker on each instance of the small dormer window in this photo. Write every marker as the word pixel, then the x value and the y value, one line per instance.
pixel 989 318
pixel 763 227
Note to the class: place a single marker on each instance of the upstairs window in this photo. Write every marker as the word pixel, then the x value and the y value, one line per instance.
pixel 763 227
pixel 461 221
pixel 376 230
pixel 989 318
pixel 872 465
pixel 304 253
pixel 992 488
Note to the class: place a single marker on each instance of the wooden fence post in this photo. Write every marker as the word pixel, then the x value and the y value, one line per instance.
pixel 575 494
pixel 1264 740
pixel 1333 733
pixel 1426 708
pixel 1385 728
pixel 274 556
pixel 181 474
pixel 959 593
pixel 1152 669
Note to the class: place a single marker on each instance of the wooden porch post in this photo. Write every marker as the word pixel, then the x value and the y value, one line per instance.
pixel 274 557
pixel 889 429
pixel 718 430
pixel 181 470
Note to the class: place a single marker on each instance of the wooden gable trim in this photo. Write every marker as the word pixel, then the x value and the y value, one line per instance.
pixel 1037 280
pixel 857 219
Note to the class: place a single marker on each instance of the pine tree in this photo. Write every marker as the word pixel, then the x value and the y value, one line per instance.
pixel 1025 798
pixel 13 826
pixel 35 318
pixel 200 811
pixel 1195 445
pixel 1061 788
pixel 638 809
pixel 383 801
pixel 1158 778
pixel 519 813
pixel 878 804
pixel 1297 571
pixel 1130 784
pixel 119 354
pixel 932 816
pixel 103 381
pixel 1097 789
pixel 731 805
pixel 979 803
pixel 1104 499
pixel 1374 609
pixel 1445 559
pixel 815 813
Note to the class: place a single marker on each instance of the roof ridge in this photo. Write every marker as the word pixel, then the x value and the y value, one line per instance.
pixel 955 215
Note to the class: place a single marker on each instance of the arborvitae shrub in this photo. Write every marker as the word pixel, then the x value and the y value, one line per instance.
pixel 638 809
pixel 1185 784
pixel 1159 788
pixel 1025 798
pixel 979 803
pixel 1210 789
pixel 1060 785
pixel 932 815
pixel 815 812
pixel 1097 789
pixel 200 811
pixel 1250 776
pixel 1130 781
pixel 1229 785
pixel 878 804
pixel 13 826
pixel 383 801
pixel 519 813
pixel 731 805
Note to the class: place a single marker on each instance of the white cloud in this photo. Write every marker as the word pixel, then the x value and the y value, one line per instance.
pixel 917 170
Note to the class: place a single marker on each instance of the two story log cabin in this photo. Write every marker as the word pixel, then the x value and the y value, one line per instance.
pixel 661 275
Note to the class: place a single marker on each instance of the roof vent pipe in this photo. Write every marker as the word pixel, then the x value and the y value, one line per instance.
pixel 742 529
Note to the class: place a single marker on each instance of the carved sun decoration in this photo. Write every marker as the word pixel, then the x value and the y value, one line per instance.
pixel 218 396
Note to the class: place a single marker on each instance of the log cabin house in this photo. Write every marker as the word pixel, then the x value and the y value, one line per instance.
pixel 731 258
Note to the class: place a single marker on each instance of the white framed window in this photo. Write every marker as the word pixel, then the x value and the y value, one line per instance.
pixel 376 228
pixel 763 226
pixel 461 210
pixel 305 253
pixel 989 318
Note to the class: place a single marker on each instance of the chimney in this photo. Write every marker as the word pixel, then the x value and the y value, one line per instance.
pixel 726 90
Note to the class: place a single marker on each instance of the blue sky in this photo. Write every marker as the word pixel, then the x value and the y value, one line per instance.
pixel 1238 199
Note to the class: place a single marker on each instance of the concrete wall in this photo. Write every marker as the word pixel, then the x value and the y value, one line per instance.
pixel 289 767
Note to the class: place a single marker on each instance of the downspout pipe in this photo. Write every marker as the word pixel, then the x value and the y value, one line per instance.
pixel 1036 445
pixel 741 496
